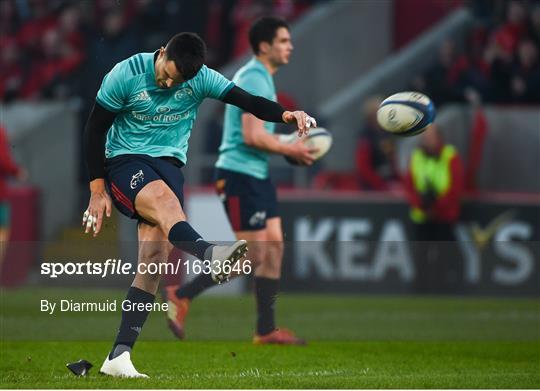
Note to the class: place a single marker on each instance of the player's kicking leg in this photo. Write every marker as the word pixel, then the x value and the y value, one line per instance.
pixel 156 202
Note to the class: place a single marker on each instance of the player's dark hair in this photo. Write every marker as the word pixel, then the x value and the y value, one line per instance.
pixel 188 51
pixel 264 30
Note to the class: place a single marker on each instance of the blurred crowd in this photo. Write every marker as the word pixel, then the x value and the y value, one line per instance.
pixel 52 49
pixel 59 48
pixel 47 45
pixel 499 62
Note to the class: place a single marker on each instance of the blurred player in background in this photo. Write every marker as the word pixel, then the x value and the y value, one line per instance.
pixel 434 185
pixel 135 144
pixel 243 184
pixel 8 168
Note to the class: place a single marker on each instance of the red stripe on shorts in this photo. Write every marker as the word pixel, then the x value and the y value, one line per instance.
pixel 120 194
pixel 121 197
pixel 233 204
pixel 122 201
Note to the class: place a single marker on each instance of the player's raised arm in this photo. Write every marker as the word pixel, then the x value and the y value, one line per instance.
pixel 268 110
pixel 95 131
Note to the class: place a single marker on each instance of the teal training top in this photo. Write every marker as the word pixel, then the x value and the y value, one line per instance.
pixel 151 120
pixel 234 153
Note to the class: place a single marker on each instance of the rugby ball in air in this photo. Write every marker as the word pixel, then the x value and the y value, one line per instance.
pixel 406 113
pixel 318 138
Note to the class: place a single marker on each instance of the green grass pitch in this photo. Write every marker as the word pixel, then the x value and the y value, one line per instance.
pixel 354 342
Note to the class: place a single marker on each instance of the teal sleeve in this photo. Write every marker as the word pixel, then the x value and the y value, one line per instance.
pixel 255 83
pixel 211 84
pixel 113 94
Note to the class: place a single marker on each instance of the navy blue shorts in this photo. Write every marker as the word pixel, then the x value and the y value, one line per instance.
pixel 248 201
pixel 128 174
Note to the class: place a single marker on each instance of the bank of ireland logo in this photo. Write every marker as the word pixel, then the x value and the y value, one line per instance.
pixel 136 179
pixel 163 109
pixel 183 93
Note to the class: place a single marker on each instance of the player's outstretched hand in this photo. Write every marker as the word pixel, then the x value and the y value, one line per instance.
pixel 303 121
pixel 100 203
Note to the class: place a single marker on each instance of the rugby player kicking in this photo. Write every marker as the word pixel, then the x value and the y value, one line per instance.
pixel 135 144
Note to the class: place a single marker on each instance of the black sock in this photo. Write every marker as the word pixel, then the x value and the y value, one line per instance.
pixel 183 236
pixel 132 321
pixel 266 290
pixel 196 286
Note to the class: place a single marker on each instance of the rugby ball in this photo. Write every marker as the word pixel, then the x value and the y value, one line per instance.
pixel 319 138
pixel 406 113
